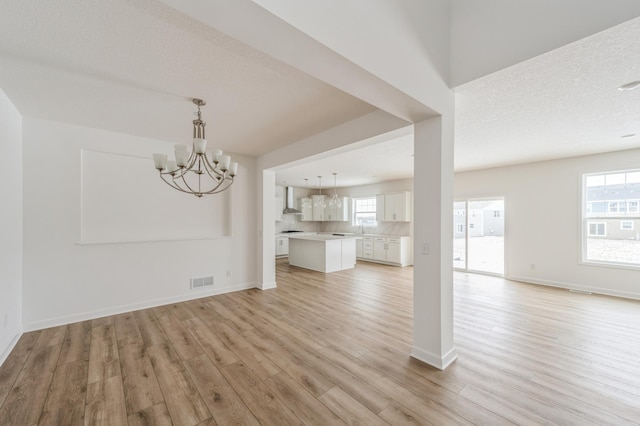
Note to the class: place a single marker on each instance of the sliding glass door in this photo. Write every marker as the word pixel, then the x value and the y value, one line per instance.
pixel 478 235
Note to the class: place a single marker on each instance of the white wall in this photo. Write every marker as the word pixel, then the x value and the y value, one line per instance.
pixel 65 281
pixel 10 226
pixel 543 221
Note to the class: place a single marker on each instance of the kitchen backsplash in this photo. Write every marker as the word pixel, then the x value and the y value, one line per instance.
pixel 291 222
pixel 384 228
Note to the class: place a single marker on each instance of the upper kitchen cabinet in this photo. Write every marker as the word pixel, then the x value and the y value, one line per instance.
pixel 395 207
pixel 321 210
pixel 335 213
pixel 305 205
pixel 319 203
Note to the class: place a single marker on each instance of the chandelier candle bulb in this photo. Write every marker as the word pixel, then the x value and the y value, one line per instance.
pixel 182 155
pixel 216 155
pixel 224 163
pixel 160 161
pixel 199 145
pixel 233 169
pixel 172 167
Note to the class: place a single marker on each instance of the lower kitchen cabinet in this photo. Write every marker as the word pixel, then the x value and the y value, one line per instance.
pixel 385 249
pixel 282 246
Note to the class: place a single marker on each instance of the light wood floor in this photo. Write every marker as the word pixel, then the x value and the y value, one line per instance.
pixel 332 349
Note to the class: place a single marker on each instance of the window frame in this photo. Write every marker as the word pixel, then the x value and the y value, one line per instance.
pixel 623 222
pixel 355 211
pixel 628 213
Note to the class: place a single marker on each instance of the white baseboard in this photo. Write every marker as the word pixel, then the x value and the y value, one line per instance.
pixel 267 286
pixel 9 348
pixel 573 286
pixel 434 360
pixel 54 322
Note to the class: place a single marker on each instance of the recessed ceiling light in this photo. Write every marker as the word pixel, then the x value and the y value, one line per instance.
pixel 630 135
pixel 629 86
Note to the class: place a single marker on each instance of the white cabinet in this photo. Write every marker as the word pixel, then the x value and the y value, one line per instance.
pixel 394 207
pixel 380 248
pixel 282 246
pixel 305 205
pixel 319 204
pixel 322 211
pixel 359 250
pixel 384 249
pixel 394 251
pixel 279 203
pixel 335 213
pixel 367 247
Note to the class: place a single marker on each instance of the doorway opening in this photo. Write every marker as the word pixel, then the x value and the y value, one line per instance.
pixel 478 236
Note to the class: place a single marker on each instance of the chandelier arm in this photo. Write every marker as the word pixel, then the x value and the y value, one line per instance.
pixel 187 185
pixel 212 168
pixel 219 182
pixel 219 176
pixel 173 185
pixel 216 190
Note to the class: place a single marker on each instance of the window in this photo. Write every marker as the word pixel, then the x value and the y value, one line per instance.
pixel 460 228
pixel 364 212
pixel 597 229
pixel 496 213
pixel 610 209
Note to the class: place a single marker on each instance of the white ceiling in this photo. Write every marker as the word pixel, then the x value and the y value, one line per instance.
pixel 132 67
pixel 560 104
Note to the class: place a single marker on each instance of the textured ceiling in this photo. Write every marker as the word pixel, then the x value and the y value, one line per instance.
pixel 560 104
pixel 132 66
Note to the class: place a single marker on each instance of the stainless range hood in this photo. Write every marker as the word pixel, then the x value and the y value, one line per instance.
pixel 290 207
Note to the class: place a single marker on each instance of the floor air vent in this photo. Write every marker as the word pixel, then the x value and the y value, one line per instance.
pixel 201 282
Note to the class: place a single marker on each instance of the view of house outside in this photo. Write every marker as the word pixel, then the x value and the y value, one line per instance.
pixel 478 235
pixel 611 217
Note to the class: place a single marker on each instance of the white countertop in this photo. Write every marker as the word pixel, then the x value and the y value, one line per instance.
pixel 324 237
pixel 352 235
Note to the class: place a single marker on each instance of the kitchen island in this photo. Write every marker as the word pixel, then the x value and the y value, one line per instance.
pixel 323 253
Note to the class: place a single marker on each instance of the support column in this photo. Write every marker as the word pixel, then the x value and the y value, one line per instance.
pixel 266 247
pixel 433 242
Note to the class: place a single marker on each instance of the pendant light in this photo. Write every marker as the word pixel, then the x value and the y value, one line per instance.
pixel 335 200
pixel 305 202
pixel 319 202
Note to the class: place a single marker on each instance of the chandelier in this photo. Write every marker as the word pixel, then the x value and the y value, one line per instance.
pixel 196 172
pixel 335 200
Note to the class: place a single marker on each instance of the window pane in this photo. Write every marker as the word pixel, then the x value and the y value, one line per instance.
pixel 612 200
pixel 364 212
